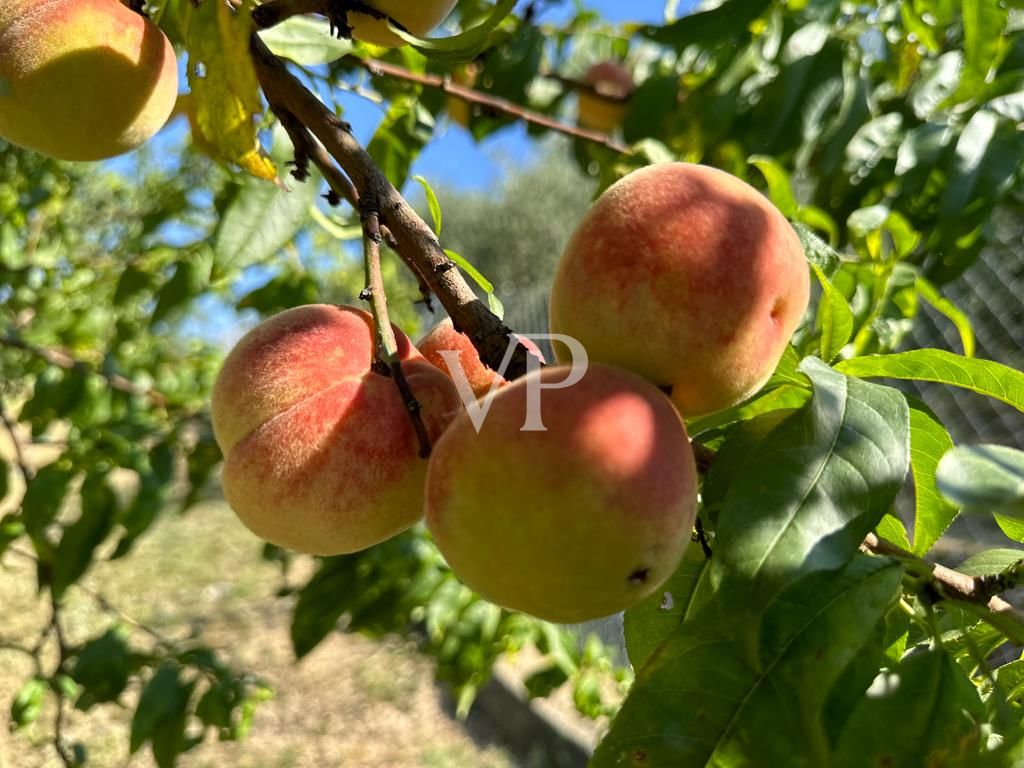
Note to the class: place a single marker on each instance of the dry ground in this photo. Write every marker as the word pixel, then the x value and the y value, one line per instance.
pixel 352 702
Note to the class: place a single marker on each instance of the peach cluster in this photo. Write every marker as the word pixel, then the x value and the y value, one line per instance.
pixel 570 493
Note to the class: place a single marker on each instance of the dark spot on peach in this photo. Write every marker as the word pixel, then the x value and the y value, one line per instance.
pixel 639 576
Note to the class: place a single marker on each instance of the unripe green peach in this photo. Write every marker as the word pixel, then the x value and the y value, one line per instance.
pixel 444 338
pixel 604 105
pixel 572 523
pixel 420 17
pixel 688 276
pixel 82 79
pixel 320 453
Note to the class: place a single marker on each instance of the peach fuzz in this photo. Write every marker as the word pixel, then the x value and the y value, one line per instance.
pixel 443 337
pixel 420 17
pixel 572 523
pixel 82 79
pixel 688 276
pixel 320 454
pixel 605 107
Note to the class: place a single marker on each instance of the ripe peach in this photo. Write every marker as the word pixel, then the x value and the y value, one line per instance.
pixel 82 79
pixel 443 337
pixel 572 523
pixel 420 17
pixel 320 454
pixel 687 276
pixel 605 107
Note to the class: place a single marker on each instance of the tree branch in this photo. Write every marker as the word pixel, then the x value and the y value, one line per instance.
pixel 415 240
pixel 501 106
pixel 949 584
pixel 63 360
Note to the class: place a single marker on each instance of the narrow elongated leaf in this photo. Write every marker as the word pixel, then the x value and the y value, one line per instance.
pixel 984 478
pixel 80 539
pixel 432 202
pixel 161 707
pixel 650 622
pixel 462 47
pixel 697 702
pixel 834 316
pixel 982 376
pixel 991 561
pixel 953 313
pixel 929 440
pixel 780 189
pixel 816 488
pixel 920 713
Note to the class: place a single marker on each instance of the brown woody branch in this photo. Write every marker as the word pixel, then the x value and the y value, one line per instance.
pixel 950 584
pixel 415 241
pixel 493 103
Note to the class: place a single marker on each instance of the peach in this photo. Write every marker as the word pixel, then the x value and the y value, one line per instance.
pixel 443 337
pixel 572 523
pixel 320 453
pixel 603 107
pixel 687 276
pixel 82 79
pixel 420 17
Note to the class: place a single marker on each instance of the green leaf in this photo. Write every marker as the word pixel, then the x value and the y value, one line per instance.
pixel 922 712
pixel 984 44
pixel 80 539
pixel 780 190
pixel 102 667
pixel 697 702
pixel 4 485
pixel 432 203
pixel 891 528
pixel 44 497
pixel 405 130
pixel 983 479
pixel 465 46
pixel 161 713
pixel 929 440
pixel 258 220
pixel 834 316
pixel 306 41
pixel 545 680
pixel 485 285
pixel 953 313
pixel 787 397
pixel 649 623
pixel 982 376
pixel 318 608
pixel 731 18
pixel 191 276
pixel 805 502
pixel 28 703
pixel 990 562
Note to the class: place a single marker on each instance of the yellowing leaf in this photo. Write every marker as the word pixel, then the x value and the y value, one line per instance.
pixel 224 85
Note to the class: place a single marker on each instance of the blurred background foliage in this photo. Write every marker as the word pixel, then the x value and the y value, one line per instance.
pixel 890 131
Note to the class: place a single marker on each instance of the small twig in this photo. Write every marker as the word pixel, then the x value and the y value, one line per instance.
pixel 486 101
pixel 386 341
pixel 969 591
